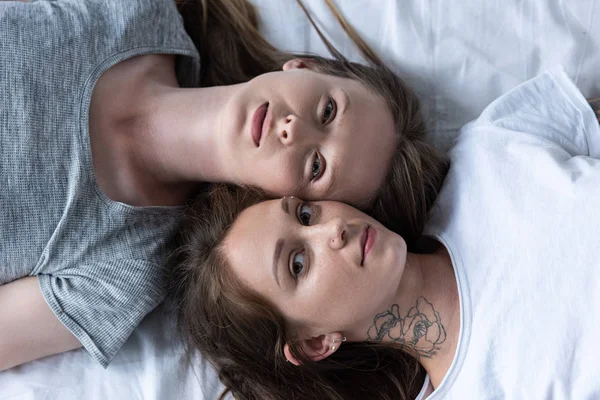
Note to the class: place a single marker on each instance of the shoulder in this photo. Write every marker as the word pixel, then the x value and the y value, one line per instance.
pixel 132 19
pixel 548 107
pixel 102 302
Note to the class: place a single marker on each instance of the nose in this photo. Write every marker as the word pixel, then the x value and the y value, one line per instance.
pixel 336 233
pixel 289 130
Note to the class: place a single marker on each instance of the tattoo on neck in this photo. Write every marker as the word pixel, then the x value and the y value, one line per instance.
pixel 420 329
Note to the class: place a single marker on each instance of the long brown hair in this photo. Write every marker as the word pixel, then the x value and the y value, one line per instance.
pixel 243 335
pixel 233 51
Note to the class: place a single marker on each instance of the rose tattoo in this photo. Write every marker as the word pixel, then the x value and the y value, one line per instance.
pixel 420 329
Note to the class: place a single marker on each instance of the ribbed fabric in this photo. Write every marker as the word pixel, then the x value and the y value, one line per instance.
pixel 99 262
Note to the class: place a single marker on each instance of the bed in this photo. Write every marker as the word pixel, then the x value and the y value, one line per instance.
pixel 458 56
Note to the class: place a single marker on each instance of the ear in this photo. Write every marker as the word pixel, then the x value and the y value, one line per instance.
pixel 296 63
pixel 316 348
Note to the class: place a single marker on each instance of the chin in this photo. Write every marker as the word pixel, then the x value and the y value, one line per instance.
pixel 399 253
pixel 395 241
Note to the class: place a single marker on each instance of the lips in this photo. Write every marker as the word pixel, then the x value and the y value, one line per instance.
pixel 258 120
pixel 367 240
pixel 363 241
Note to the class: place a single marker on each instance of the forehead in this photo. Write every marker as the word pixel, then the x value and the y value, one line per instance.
pixel 250 243
pixel 253 218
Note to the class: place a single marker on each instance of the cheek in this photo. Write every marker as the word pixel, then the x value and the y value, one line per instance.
pixel 365 167
pixel 278 175
pixel 339 299
pixel 359 295
pixel 317 300
pixel 339 296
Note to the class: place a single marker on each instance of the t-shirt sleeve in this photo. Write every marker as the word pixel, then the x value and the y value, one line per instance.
pixel 102 303
pixel 549 106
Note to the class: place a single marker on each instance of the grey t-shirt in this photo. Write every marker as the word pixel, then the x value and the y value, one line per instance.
pixel 99 263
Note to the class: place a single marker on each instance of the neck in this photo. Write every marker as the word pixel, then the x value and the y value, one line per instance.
pixel 425 317
pixel 174 135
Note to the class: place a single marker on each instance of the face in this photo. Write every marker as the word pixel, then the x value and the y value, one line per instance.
pixel 309 134
pixel 325 265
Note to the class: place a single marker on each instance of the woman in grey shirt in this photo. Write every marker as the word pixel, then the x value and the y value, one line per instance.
pixel 109 123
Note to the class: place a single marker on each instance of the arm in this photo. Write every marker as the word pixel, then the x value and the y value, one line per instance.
pixel 30 330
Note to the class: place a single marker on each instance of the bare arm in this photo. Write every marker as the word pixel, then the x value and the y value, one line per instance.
pixel 30 330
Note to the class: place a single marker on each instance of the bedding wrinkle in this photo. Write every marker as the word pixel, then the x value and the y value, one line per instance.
pixel 589 83
pixel 578 31
pixel 573 27
pixel 528 42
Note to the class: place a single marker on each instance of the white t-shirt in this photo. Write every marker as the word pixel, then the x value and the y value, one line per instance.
pixel 520 216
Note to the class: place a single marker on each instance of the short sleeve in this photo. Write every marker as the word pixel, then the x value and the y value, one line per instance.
pixel 549 106
pixel 102 303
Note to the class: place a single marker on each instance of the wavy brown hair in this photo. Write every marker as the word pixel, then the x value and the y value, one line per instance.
pixel 233 51
pixel 242 335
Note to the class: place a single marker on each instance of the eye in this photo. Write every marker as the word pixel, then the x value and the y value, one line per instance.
pixel 316 170
pixel 297 265
pixel 329 111
pixel 305 213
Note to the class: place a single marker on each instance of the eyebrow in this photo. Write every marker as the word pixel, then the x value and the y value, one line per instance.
pixel 285 204
pixel 276 254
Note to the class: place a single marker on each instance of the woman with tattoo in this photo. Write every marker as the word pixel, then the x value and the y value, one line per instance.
pixel 315 300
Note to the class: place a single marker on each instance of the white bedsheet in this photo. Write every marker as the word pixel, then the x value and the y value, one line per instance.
pixel 458 55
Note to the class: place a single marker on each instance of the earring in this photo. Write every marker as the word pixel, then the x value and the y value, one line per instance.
pixel 338 340
pixel 342 339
